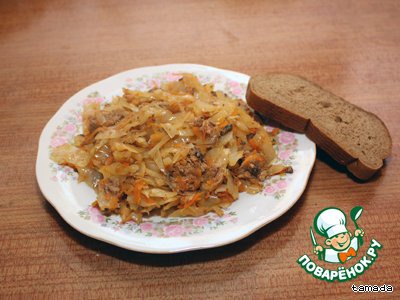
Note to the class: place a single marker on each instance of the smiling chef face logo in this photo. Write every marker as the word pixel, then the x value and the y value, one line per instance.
pixel 340 245
pixel 331 224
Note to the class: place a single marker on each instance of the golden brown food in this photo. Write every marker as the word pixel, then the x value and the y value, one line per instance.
pixel 181 149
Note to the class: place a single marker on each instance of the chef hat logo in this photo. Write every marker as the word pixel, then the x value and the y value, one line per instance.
pixel 330 222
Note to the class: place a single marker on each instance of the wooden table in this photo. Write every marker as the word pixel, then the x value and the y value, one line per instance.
pixel 51 49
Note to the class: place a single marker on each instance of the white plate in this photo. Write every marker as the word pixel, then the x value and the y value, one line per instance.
pixel 166 235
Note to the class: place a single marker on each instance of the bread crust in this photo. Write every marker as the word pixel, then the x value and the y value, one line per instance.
pixel 298 123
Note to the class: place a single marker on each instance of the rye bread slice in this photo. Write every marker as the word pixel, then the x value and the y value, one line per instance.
pixel 353 137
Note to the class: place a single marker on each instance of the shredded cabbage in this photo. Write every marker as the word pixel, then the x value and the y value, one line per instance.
pixel 181 149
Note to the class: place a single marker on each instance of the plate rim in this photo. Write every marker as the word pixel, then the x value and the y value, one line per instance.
pixel 88 230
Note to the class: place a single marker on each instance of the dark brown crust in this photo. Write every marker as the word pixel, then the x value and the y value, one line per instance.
pixel 300 124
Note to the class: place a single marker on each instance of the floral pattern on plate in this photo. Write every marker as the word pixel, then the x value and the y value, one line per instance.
pixel 233 88
pixel 160 227
pixel 275 187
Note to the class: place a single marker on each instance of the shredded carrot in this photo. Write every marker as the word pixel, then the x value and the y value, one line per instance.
pixel 181 183
pixel 242 187
pixel 174 107
pixel 109 160
pixel 137 190
pixel 274 131
pixel 225 197
pixel 194 199
pixel 202 148
pixel 178 145
pixel 223 124
pixel 253 143
pixel 251 158
pixel 235 111
pixel 234 130
pixel 197 132
pixel 156 137
pixel 113 202
pixel 253 130
pixel 148 200
pixel 209 182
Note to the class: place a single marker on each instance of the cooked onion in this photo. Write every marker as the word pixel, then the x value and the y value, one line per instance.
pixel 179 150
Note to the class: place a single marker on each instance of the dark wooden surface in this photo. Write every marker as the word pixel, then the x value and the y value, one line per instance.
pixel 51 49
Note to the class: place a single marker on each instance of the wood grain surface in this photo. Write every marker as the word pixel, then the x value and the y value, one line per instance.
pixel 49 50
